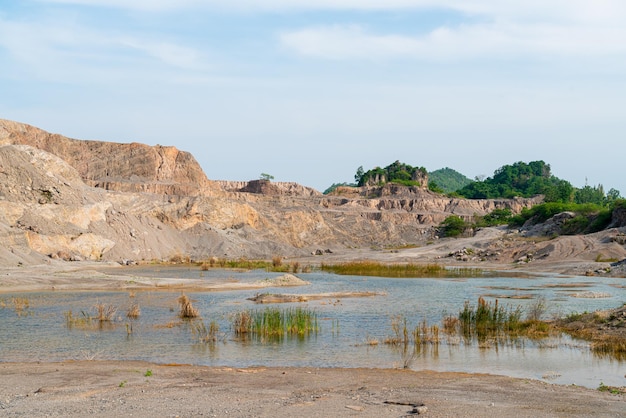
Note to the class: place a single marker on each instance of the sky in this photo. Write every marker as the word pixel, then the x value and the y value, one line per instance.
pixel 308 91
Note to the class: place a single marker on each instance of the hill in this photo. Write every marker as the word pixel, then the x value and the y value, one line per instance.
pixel 448 180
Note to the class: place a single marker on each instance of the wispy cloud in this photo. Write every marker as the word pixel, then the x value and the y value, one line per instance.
pixel 580 10
pixel 69 50
pixel 501 39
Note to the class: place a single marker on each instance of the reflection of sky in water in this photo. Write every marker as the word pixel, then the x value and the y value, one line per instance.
pixel 42 333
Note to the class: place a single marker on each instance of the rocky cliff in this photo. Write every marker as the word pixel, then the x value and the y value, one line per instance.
pixel 130 167
pixel 50 207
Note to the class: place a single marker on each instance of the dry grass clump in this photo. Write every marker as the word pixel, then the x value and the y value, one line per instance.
pixel 187 310
pixel 105 313
pixel 242 323
pixel 133 311
pixel 180 259
pixel 203 333
pixel 20 305
pixel 168 325
pixel 277 261
pixel 450 324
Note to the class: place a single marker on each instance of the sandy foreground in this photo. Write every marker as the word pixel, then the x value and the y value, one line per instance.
pixel 115 389
pixel 119 388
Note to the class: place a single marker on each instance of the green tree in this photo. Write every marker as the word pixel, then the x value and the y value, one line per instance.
pixel 453 226
pixel 265 176
pixel 359 175
pixel 520 179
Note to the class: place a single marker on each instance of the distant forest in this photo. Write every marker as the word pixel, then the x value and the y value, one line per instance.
pixel 516 180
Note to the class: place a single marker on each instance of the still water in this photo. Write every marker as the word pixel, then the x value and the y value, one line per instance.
pixel 41 333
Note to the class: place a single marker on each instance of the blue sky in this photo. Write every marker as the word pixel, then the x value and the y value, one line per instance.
pixel 308 91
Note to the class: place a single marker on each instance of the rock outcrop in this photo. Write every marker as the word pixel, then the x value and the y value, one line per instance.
pixel 268 188
pixel 114 166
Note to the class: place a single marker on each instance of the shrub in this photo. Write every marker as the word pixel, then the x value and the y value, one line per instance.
pixel 187 310
pixel 453 226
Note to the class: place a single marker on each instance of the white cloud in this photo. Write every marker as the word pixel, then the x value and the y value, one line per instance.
pixel 55 50
pixel 452 43
pixel 579 10
pixel 168 53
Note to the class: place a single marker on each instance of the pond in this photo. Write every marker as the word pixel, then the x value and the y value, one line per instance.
pixel 349 327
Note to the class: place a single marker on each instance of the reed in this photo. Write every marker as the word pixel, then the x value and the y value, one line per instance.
pixel 273 323
pixel 203 333
pixel 275 265
pixel 486 320
pixel 373 268
pixel 187 310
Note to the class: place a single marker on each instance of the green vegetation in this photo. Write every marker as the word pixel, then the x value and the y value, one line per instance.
pixel 333 186
pixel 489 324
pixel 372 268
pixel 611 389
pixel 587 217
pixel 532 179
pixel 265 176
pixel 273 323
pixel 396 172
pixel 486 319
pixel 453 226
pixel 447 180
pixel 523 180
pixel 275 265
pixel 596 327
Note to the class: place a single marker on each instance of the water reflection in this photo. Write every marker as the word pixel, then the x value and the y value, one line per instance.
pixel 348 327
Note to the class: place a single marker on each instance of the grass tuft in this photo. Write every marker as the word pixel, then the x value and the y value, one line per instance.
pixel 373 268
pixel 187 310
pixel 274 323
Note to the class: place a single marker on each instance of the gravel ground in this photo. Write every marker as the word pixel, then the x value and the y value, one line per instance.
pixel 138 389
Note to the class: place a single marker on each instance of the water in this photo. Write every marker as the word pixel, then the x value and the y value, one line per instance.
pixel 40 332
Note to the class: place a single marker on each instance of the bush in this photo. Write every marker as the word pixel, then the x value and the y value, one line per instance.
pixel 453 226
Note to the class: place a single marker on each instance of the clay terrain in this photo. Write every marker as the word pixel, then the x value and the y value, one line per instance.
pixel 76 206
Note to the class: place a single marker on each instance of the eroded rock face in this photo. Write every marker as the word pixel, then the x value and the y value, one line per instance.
pixel 268 188
pixel 50 209
pixel 114 166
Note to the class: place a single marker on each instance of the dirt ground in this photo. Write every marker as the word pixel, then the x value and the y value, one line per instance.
pixel 107 389
pixel 117 388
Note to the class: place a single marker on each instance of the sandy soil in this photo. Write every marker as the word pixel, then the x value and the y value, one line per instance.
pixel 113 388
pixel 107 389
